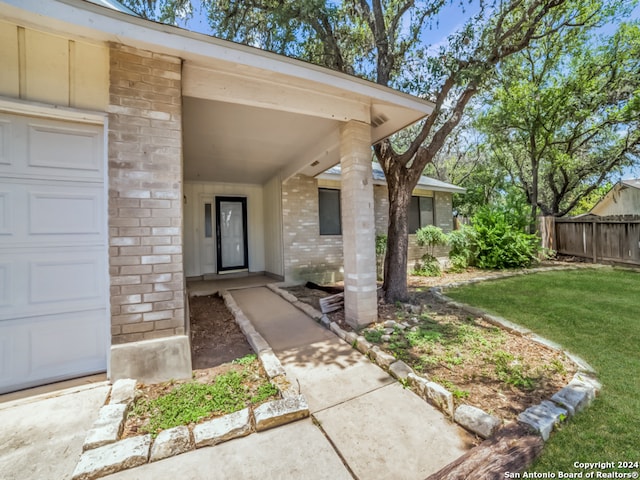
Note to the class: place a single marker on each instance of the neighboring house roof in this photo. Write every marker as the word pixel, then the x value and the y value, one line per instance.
pixel 114 5
pixel 635 183
pixel 426 183
pixel 616 202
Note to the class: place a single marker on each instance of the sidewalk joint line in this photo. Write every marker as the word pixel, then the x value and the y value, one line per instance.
pixel 317 423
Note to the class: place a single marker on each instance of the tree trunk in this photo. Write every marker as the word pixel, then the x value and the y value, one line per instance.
pixel 395 262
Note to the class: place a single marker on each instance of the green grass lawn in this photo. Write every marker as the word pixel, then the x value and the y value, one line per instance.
pixel 594 313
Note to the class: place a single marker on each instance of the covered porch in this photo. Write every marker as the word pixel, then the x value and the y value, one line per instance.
pixel 247 130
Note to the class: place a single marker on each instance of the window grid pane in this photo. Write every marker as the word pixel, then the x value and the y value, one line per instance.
pixel 329 210
pixel 426 211
pixel 208 228
pixel 414 215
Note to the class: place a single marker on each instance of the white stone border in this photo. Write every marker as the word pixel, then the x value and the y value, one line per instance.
pixel 104 453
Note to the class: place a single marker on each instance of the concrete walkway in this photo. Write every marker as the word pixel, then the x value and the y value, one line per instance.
pixel 364 425
pixel 378 428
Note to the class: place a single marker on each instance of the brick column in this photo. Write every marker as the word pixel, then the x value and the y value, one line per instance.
pixel 145 215
pixel 358 225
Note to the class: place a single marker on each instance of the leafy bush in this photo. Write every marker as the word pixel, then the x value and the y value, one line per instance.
pixel 497 243
pixel 381 250
pixel 431 237
pixel 428 266
pixel 461 248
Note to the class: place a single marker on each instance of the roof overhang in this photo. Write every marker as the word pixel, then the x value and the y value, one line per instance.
pixel 425 183
pixel 305 104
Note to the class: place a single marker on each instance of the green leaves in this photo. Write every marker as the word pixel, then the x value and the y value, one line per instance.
pixel 564 113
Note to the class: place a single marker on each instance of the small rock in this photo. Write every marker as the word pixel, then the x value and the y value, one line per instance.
pixel 401 326
pixel 350 337
pixel 362 344
pixel 575 396
pixel 335 328
pixel 171 442
pixel 384 359
pixel 123 391
pixel 419 383
pixel 440 397
pixel 385 338
pixel 270 363
pixel 279 412
pixel 589 379
pixel 257 342
pixel 416 309
pixel 389 331
pixel 400 370
pixel 221 429
pixel 476 420
pixel 405 325
pixel 107 427
pixel 389 324
pixel 543 417
pixel 286 295
pixel 127 453
pixel 413 329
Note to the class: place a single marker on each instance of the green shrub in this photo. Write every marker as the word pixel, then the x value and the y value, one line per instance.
pixel 428 266
pixel 461 248
pixel 431 237
pixel 497 243
pixel 381 251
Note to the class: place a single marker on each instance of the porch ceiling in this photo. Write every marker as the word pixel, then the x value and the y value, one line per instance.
pixel 232 143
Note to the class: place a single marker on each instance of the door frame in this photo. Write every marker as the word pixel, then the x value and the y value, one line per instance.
pixel 243 202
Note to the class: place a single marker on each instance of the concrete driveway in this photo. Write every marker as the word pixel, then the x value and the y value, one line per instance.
pixel 42 436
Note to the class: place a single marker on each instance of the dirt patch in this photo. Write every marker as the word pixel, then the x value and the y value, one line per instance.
pixel 216 341
pixel 490 368
pixel 215 336
pixel 501 373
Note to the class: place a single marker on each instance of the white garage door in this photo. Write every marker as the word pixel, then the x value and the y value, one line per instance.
pixel 53 254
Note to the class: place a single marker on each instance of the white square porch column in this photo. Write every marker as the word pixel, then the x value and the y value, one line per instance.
pixel 358 225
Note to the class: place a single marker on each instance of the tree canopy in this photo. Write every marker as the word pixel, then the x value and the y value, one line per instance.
pixel 387 41
pixel 564 115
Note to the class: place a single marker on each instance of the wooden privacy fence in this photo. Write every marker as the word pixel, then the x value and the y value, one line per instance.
pixel 599 239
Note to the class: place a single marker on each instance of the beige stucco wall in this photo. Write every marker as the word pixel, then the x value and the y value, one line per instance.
pixel 195 195
pixel 318 258
pixel 272 201
pixel 52 69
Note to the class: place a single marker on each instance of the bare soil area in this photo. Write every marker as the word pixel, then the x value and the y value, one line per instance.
pixel 215 336
pixel 216 340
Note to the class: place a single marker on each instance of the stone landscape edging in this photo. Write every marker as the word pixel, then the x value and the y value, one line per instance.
pixel 541 418
pixel 105 453
pixel 573 397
